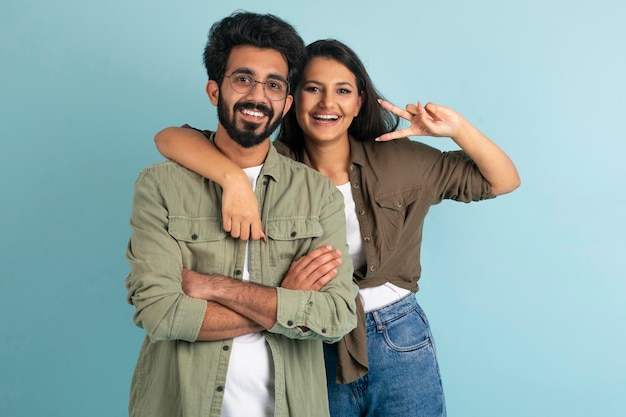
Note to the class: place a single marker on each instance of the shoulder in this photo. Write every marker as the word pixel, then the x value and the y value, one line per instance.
pixel 167 173
pixel 300 170
pixel 297 177
pixel 398 154
pixel 397 147
pixel 283 149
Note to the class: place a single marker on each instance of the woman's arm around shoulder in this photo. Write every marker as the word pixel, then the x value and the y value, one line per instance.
pixel 191 149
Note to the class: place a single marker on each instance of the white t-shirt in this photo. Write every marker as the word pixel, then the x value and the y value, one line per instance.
pixel 249 387
pixel 376 297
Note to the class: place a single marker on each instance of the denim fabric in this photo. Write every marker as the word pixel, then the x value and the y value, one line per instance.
pixel 404 379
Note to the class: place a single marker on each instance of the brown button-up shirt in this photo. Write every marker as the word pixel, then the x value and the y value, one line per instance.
pixel 394 184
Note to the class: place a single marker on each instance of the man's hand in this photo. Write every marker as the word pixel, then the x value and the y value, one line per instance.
pixel 314 270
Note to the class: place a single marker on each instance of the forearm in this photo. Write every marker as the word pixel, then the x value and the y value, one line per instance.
pixel 194 151
pixel 495 165
pixel 220 323
pixel 241 302
pixel 256 302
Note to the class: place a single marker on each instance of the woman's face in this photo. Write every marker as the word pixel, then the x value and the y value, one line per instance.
pixel 327 100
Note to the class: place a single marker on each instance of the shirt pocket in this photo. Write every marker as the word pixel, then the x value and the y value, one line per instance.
pixel 202 242
pixel 289 239
pixel 392 212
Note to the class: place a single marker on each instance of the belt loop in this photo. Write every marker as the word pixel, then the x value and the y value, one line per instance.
pixel 379 324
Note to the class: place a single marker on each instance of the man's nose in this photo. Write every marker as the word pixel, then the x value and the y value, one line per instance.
pixel 258 91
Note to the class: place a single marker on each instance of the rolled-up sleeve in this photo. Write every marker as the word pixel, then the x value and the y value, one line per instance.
pixel 330 313
pixel 154 282
pixel 452 175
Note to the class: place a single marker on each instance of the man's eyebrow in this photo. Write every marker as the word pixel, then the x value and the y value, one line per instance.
pixel 277 77
pixel 244 70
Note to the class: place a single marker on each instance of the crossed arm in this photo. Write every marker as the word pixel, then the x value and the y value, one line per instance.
pixel 210 307
pixel 235 308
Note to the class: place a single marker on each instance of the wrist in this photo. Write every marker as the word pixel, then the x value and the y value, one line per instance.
pixel 463 133
pixel 234 178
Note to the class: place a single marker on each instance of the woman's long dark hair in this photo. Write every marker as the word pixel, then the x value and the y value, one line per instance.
pixel 372 121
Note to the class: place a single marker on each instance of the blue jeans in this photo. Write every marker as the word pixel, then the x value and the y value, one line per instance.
pixel 403 380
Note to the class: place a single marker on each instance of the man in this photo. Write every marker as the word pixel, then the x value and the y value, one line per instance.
pixel 240 330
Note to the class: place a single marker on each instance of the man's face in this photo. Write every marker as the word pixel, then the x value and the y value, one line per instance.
pixel 250 117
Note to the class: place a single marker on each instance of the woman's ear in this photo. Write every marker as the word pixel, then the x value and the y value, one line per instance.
pixel 358 105
pixel 213 91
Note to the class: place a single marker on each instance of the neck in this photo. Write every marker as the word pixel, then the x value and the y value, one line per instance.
pixel 331 159
pixel 243 157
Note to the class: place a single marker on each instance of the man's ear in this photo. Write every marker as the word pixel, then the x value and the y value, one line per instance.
pixel 213 91
pixel 288 103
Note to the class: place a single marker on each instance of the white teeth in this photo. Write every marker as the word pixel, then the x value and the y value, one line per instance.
pixel 326 116
pixel 252 113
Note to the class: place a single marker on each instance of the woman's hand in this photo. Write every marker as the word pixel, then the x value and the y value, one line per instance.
pixel 240 211
pixel 429 120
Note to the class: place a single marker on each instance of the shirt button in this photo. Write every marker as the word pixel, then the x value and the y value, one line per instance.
pixel 238 272
pixel 323 330
pixel 219 388
pixel 355 185
pixel 367 238
pixel 225 347
pixel 372 268
pixel 265 182
pixel 361 212
pixel 194 237
pixel 289 323
pixel 293 234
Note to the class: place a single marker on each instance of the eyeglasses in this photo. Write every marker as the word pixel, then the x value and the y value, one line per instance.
pixel 275 89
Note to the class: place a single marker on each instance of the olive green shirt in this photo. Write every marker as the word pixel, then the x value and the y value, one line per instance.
pixel 176 222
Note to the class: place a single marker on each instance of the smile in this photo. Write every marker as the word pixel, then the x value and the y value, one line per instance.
pixel 326 117
pixel 252 113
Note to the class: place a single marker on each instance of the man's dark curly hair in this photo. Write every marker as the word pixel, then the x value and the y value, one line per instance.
pixel 263 31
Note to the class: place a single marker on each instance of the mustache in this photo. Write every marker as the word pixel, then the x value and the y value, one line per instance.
pixel 254 106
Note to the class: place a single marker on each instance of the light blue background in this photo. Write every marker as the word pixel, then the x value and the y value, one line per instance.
pixel 526 294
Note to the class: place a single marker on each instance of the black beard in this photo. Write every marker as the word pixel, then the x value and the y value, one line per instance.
pixel 246 137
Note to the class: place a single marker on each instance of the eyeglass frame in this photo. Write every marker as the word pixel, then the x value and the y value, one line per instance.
pixel 252 75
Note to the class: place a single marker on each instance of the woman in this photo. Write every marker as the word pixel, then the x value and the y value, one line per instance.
pixel 340 126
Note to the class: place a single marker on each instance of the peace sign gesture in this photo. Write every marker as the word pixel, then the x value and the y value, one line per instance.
pixel 429 120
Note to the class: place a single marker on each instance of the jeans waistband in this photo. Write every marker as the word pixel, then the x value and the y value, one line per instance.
pixel 392 311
